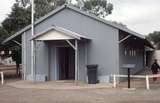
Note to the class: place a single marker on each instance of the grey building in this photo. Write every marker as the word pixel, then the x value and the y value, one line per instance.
pixel 67 39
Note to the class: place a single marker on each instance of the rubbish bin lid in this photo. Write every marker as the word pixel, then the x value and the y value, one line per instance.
pixel 92 66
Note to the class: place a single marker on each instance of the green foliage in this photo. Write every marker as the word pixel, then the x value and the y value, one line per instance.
pixel 100 8
pixel 3 34
pixel 17 19
pixel 43 7
pixel 16 55
pixel 154 38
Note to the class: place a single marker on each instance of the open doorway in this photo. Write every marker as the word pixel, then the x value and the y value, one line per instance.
pixel 66 63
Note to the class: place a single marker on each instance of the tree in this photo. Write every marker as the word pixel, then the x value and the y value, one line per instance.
pixel 3 34
pixel 16 56
pixel 100 8
pixel 42 7
pixel 16 50
pixel 17 19
pixel 155 38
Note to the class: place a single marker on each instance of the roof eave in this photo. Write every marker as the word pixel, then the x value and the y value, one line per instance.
pixel 37 22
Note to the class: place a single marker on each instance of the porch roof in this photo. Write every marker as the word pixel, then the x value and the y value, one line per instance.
pixel 57 33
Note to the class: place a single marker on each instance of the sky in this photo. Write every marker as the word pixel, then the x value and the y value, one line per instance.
pixel 5 8
pixel 142 16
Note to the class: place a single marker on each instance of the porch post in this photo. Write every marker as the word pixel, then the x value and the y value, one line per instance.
pixel 76 61
pixel 24 55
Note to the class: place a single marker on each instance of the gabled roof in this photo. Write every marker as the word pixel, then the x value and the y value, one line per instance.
pixel 78 11
pixel 60 34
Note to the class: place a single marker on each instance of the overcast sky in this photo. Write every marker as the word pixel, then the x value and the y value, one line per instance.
pixel 142 16
pixel 5 8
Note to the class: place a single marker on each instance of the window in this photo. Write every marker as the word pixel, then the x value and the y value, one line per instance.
pixel 125 52
pixel 2 52
pixel 134 53
pixel 130 52
pixel 10 52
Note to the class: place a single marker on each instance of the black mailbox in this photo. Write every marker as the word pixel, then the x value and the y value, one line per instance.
pixel 128 67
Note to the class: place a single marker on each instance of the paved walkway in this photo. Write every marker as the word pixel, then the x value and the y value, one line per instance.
pixel 57 85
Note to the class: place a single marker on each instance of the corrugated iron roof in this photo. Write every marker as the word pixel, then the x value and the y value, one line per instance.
pixel 120 27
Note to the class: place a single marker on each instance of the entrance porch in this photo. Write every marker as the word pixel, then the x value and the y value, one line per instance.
pixel 63 48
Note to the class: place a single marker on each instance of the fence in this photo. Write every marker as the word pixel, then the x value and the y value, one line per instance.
pixel 146 77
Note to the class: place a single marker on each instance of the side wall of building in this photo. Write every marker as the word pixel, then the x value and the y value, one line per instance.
pixel 131 52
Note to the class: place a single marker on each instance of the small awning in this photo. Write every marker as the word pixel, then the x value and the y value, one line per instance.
pixel 57 33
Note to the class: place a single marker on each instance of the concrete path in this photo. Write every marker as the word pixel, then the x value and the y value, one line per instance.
pixel 57 85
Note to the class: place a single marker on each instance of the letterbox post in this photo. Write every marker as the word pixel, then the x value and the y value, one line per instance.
pixel 129 83
pixel 129 67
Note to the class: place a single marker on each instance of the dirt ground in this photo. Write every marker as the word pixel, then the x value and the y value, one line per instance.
pixel 10 94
